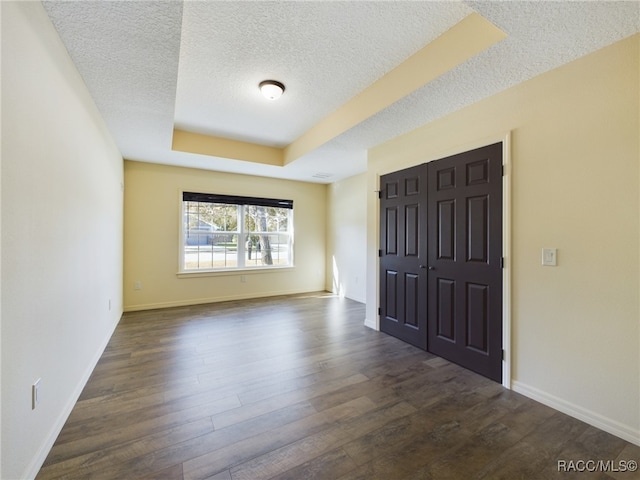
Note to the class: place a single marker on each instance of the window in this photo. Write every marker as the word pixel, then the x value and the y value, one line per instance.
pixel 225 232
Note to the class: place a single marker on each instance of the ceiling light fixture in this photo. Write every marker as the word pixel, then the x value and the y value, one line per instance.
pixel 271 89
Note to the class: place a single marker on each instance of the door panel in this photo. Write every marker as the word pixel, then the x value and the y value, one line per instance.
pixel 411 295
pixel 392 231
pixel 391 294
pixel 477 223
pixel 446 230
pixel 477 320
pixel 465 259
pixel 403 244
pixel 446 308
pixel 412 224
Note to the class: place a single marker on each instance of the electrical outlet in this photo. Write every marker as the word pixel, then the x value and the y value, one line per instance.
pixel 35 394
pixel 243 278
pixel 137 285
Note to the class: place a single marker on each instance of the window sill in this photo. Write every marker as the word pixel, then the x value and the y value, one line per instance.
pixel 226 273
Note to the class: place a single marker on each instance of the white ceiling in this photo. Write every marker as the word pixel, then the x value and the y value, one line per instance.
pixel 195 65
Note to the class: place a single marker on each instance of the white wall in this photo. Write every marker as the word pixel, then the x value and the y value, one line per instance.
pixel 575 153
pixel 347 238
pixel 61 236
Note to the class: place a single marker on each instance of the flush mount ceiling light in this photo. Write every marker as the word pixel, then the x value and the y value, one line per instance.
pixel 271 89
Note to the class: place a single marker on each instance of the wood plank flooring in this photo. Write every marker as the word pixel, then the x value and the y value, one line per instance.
pixel 297 388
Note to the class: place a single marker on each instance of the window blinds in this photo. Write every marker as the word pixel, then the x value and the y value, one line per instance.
pixel 236 200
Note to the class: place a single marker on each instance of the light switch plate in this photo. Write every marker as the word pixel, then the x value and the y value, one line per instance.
pixel 550 257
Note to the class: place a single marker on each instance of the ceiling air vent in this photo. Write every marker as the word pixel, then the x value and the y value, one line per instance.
pixel 322 175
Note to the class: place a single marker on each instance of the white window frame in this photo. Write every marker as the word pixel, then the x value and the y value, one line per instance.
pixel 241 233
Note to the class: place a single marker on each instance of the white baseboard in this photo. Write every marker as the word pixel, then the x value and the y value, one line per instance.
pixel 202 301
pixel 370 323
pixel 592 418
pixel 36 464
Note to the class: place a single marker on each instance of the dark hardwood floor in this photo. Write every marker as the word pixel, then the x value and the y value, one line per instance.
pixel 297 388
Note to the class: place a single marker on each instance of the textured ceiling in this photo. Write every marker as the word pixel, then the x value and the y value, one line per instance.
pixel 324 52
pixel 152 66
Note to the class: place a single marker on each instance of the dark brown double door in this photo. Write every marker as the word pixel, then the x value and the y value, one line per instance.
pixel 441 258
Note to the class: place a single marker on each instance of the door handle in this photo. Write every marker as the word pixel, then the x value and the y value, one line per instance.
pixel 431 268
pixel 422 266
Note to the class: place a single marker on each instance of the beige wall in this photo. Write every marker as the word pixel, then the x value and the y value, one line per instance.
pixel 152 222
pixel 575 186
pixel 347 237
pixel 61 236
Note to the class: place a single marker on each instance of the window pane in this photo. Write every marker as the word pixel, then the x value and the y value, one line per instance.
pixel 209 217
pixel 223 218
pixel 266 219
pixel 281 249
pixel 224 251
pixel 267 249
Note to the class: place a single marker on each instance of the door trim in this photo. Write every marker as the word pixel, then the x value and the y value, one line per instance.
pixel 506 253
pixel 505 138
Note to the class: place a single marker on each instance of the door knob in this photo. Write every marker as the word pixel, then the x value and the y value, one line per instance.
pixel 422 266
pixel 432 268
